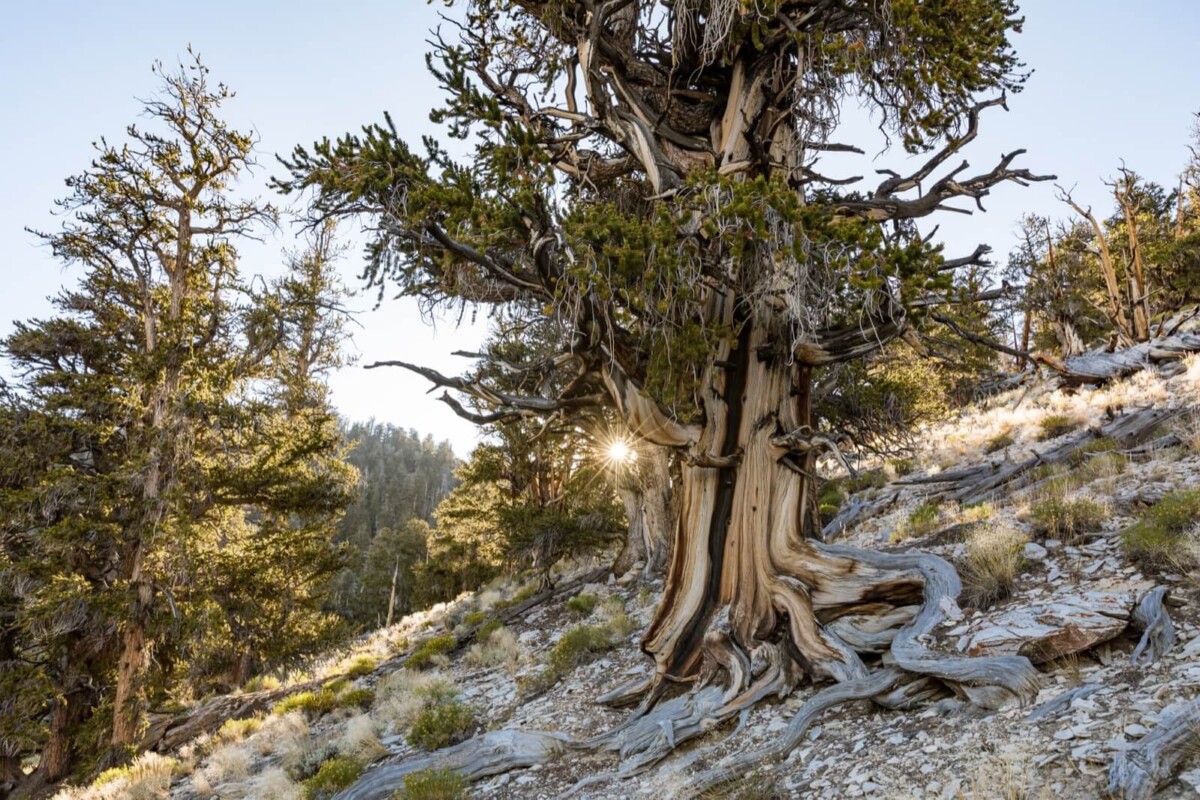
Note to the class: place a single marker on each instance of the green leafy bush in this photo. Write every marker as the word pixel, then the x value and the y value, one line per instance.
pixel 433 784
pixel 473 618
pixel 334 775
pixel 1066 519
pixel 923 519
pixel 261 683
pixel 583 604
pixel 430 651
pixel 1160 538
pixel 234 730
pixel 903 466
pixel 442 725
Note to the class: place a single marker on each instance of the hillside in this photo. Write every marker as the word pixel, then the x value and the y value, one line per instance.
pixel 1074 588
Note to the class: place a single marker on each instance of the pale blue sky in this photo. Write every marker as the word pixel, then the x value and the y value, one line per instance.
pixel 1112 80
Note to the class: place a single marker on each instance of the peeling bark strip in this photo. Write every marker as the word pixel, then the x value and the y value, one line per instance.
pixel 1136 773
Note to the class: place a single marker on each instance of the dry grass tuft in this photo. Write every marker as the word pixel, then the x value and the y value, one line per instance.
pixel 993 561
pixel 148 777
pixel 499 649
pixel 360 741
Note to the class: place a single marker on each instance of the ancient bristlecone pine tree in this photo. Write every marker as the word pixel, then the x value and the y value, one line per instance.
pixel 646 175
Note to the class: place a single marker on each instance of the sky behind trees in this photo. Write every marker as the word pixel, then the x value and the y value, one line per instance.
pixel 1108 84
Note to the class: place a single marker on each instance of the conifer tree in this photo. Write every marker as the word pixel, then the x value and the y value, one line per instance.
pixel 170 420
pixel 645 175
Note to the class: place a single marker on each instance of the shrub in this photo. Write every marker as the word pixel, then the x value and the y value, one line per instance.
pixel 994 559
pixel 998 443
pixel 147 777
pixel 1054 425
pixel 1065 519
pixel 360 666
pixel 578 646
pixel 487 629
pixel 903 466
pixel 334 775
pixel 431 651
pixel 402 696
pixel 261 683
pixel 830 499
pixel 313 703
pixel 433 784
pixel 235 730
pixel 976 512
pixel 1160 537
pixel 500 647
pixel 356 698
pixel 923 519
pixel 474 618
pixel 442 725
pixel 583 604
pixel 360 741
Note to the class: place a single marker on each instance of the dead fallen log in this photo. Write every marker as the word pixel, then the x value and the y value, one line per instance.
pixel 854 511
pixel 1137 772
pixel 1099 366
pixel 987 481
pixel 488 754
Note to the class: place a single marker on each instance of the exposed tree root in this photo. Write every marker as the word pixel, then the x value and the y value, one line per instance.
pixel 1158 632
pixel 873 685
pixel 492 753
pixel 1136 773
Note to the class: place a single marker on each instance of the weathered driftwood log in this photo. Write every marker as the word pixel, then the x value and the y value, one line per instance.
pixel 1137 772
pixel 1158 632
pixel 987 481
pixel 1050 630
pixel 854 511
pixel 489 754
pixel 1062 702
pixel 1099 366
pixel 168 731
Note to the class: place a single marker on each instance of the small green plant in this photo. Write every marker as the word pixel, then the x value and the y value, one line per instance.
pixel 337 685
pixel 334 775
pixel 361 666
pixel 903 466
pixel 994 559
pixel 998 442
pixel 1054 425
pixel 583 604
pixel 976 512
pixel 314 704
pixel 433 784
pixel 358 698
pixel 473 618
pixel 431 651
pixel 578 646
pixel 487 629
pixel 830 498
pixel 1066 519
pixel 923 519
pixel 1159 538
pixel 261 683
pixel 442 725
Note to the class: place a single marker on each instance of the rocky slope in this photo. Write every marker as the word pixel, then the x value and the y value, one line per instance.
pixel 1068 607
